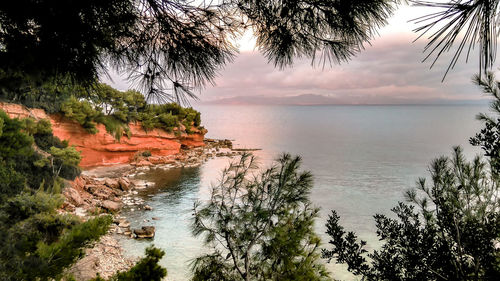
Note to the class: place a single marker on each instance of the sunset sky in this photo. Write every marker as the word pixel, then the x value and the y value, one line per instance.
pixel 389 71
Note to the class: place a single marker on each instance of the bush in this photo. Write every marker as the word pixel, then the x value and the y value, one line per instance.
pixel 37 243
pixel 82 112
pixel 452 237
pixel 11 181
pixel 13 141
pixel 116 109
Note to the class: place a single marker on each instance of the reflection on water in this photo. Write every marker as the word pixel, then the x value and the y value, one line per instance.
pixel 362 159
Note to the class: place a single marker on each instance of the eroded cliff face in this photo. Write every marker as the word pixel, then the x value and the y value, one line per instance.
pixel 102 148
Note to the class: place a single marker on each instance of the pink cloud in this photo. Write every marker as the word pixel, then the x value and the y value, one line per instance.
pixel 390 67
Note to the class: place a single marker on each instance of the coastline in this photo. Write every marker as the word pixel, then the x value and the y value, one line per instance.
pixel 105 190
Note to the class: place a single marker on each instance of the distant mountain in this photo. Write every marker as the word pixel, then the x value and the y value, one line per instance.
pixel 313 99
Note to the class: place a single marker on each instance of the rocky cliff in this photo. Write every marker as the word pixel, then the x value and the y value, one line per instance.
pixel 102 148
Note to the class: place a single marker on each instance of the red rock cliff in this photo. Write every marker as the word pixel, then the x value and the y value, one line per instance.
pixel 102 148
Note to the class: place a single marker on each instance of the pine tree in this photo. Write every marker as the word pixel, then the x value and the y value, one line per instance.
pixel 259 227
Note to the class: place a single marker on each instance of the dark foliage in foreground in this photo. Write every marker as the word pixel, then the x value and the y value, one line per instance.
pixel 171 45
pixel 458 26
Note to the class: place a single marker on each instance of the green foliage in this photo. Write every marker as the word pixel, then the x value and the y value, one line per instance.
pixel 37 243
pixel 145 269
pixel 116 109
pixel 11 181
pixel 46 141
pixel 489 137
pixel 168 116
pixel 22 163
pixel 259 228
pixel 82 112
pixel 114 126
pixel 122 105
pixel 31 126
pixel 453 236
pixel 168 120
pixel 48 96
pixel 1 126
pixel 43 126
pixel 61 157
pixel 13 141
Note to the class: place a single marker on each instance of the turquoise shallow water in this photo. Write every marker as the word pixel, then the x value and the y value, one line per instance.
pixel 362 159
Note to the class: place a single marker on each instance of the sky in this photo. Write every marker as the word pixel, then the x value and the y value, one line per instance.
pixel 389 71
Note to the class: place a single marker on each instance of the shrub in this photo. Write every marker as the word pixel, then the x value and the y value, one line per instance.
pixel 37 243
pixel 82 112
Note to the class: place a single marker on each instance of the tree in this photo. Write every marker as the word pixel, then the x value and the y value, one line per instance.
pixel 449 231
pixel 465 21
pixel 156 41
pixel 259 227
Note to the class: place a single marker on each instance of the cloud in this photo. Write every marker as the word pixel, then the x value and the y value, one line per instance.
pixel 390 67
pixel 389 70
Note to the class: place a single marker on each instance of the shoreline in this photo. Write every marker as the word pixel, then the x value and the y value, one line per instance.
pixel 105 190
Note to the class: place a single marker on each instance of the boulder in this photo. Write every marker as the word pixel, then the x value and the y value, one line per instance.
pixel 124 223
pixel 125 184
pixel 111 205
pixel 148 208
pixel 73 196
pixel 143 163
pixel 145 232
pixel 112 183
pixel 79 182
pixel 100 191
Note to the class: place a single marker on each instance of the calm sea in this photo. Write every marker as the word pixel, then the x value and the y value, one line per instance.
pixel 362 159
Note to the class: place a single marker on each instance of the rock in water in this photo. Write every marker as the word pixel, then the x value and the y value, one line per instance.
pixel 145 232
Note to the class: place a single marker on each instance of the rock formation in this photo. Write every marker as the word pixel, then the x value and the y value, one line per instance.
pixel 102 148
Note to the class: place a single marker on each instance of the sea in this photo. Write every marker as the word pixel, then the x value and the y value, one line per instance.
pixel 363 158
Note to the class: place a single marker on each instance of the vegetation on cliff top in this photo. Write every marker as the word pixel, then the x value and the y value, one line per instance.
pixel 105 105
pixel 116 109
